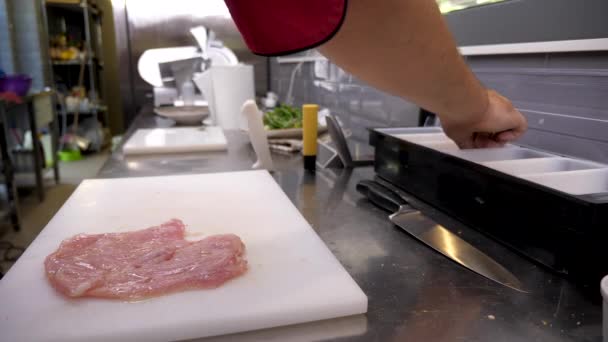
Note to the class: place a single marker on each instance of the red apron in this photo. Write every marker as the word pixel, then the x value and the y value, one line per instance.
pixel 280 27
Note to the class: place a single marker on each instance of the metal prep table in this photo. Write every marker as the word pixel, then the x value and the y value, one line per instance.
pixel 415 294
pixel 8 171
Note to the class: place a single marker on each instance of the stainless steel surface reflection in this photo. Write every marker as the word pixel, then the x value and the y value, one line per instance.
pixel 450 245
pixel 415 294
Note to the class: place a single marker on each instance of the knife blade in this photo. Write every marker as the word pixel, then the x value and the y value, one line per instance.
pixel 437 237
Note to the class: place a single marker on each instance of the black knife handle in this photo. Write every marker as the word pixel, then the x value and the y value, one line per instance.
pixel 406 197
pixel 380 196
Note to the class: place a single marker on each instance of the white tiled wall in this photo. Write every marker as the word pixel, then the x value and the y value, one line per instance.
pixel 358 105
pixel 563 95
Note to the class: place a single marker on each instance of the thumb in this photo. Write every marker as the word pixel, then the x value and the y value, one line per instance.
pixel 506 136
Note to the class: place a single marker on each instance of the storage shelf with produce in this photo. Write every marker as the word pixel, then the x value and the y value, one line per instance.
pixel 77 62
pixel 25 169
pixel 92 109
pixel 74 5
pixel 74 32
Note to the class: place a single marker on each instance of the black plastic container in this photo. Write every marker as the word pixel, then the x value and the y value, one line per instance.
pixel 564 231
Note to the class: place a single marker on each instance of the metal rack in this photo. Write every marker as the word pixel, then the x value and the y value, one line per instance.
pixel 91 17
pixel 29 165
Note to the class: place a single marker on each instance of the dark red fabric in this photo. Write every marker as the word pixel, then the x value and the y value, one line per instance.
pixel 277 27
pixel 10 97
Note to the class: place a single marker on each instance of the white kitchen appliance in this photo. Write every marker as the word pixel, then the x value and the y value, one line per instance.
pixel 154 68
pixel 169 69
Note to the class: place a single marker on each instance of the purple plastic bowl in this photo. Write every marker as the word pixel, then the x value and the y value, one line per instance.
pixel 18 84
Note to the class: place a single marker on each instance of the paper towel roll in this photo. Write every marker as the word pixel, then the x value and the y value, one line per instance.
pixel 226 88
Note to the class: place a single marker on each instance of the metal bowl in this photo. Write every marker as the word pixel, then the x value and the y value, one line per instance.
pixel 184 115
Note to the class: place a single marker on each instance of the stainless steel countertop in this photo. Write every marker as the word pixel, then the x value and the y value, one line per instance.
pixel 415 294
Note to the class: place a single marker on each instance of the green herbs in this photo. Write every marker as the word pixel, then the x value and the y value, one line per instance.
pixel 282 117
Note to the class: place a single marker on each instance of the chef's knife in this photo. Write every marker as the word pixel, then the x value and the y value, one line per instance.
pixel 434 235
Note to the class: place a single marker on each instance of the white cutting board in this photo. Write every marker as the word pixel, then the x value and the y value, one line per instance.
pixel 176 140
pixel 293 277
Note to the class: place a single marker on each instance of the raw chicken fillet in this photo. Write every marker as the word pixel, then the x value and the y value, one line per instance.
pixel 143 263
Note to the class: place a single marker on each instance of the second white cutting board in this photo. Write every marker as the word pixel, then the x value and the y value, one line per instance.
pixel 176 140
pixel 293 277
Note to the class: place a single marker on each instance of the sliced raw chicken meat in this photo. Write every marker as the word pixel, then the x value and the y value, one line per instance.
pixel 144 263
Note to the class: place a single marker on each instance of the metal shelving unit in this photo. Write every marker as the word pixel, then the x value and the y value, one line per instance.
pixel 74 62
pixel 92 23
pixel 95 110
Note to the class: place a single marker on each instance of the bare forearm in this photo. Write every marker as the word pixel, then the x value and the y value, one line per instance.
pixel 404 47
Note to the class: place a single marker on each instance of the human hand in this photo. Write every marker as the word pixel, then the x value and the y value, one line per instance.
pixel 499 124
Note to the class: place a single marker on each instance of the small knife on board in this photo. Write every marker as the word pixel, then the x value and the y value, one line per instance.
pixel 434 235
